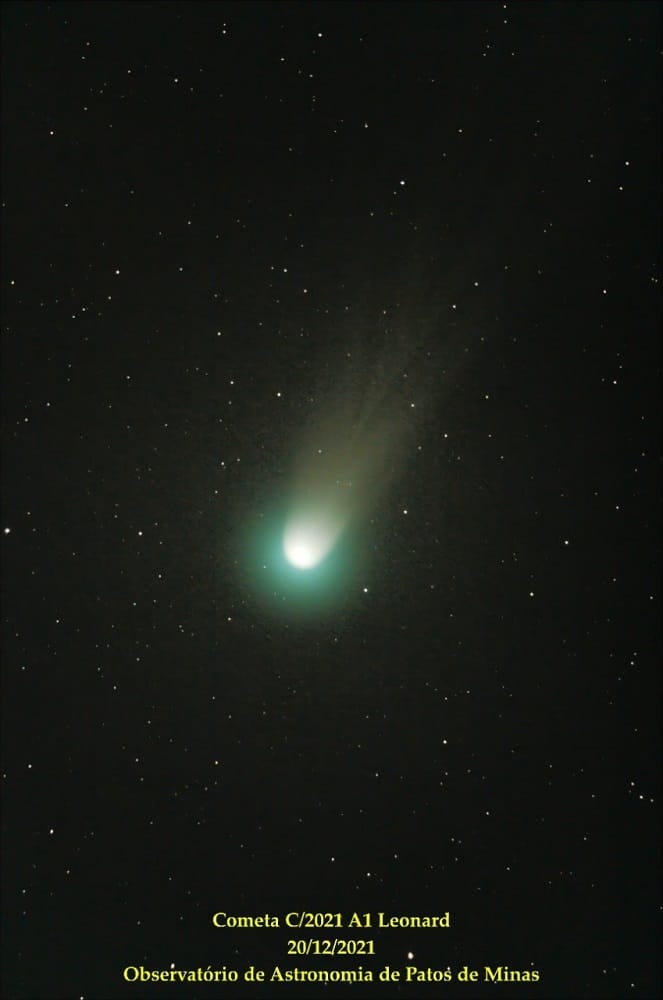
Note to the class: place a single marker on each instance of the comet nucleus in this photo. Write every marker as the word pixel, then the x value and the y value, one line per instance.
pixel 311 532
pixel 306 543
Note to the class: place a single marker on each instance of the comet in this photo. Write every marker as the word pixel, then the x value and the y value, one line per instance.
pixel 352 446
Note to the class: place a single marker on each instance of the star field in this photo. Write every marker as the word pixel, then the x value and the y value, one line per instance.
pixel 404 258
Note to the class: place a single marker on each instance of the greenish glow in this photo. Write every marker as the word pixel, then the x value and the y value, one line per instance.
pixel 295 571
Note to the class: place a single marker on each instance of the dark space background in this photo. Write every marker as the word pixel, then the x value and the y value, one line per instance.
pixel 203 206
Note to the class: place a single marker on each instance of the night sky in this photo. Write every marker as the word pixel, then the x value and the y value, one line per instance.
pixel 399 264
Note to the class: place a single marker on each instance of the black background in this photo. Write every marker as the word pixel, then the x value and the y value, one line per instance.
pixel 197 219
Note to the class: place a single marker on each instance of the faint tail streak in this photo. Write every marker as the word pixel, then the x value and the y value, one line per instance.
pixel 353 444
